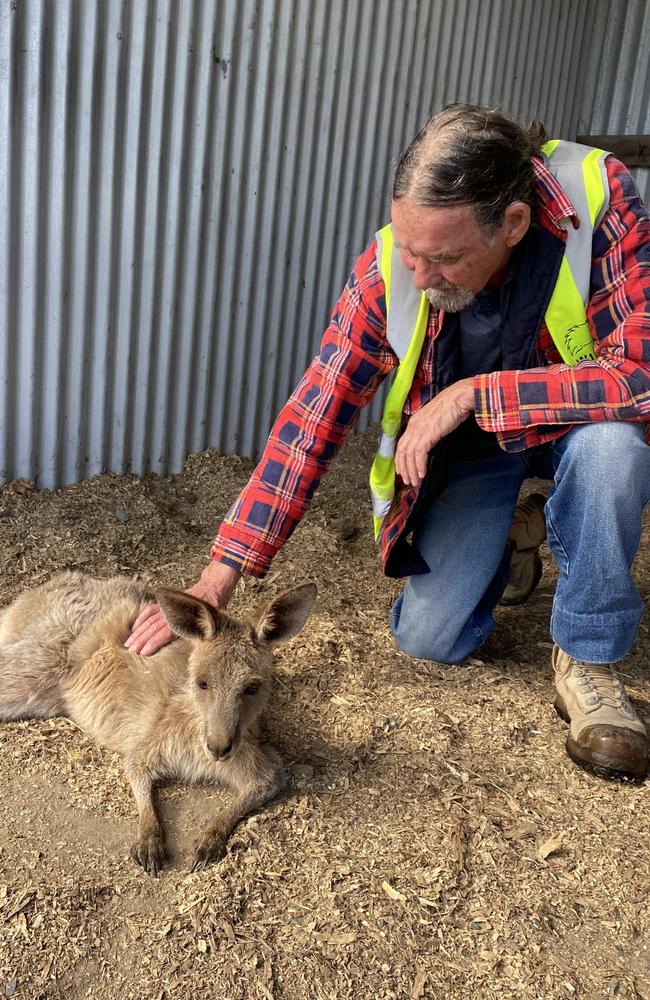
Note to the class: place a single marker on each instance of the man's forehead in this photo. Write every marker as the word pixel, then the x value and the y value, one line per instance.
pixel 434 230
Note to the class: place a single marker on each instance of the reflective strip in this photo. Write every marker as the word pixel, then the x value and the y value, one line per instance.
pixel 585 190
pixel 588 190
pixel 605 183
pixel 380 507
pixel 391 420
pixel 387 444
pixel 403 299
pixel 406 326
pixel 382 489
pixel 596 185
pixel 406 339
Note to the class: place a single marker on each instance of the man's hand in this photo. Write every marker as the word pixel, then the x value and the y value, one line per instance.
pixel 428 426
pixel 150 630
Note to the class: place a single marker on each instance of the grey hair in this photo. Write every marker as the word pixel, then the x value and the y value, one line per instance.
pixel 470 155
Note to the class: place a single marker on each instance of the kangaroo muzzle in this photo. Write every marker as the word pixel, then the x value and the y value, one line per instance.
pixel 221 748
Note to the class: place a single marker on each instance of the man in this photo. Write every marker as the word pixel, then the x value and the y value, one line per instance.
pixel 517 319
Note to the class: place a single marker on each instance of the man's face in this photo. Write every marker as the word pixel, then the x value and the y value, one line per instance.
pixel 447 253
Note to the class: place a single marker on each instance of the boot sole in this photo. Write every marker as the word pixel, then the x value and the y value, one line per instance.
pixel 595 767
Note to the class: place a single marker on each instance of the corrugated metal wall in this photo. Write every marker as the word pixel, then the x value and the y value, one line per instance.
pixel 616 97
pixel 184 185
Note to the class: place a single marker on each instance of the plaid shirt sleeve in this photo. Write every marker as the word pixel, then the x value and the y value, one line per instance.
pixel 520 405
pixel 354 357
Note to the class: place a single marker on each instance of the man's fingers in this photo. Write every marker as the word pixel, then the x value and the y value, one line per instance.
pixel 414 470
pixel 150 632
pixel 149 612
pixel 161 638
pixel 421 461
pixel 150 637
pixel 411 463
pixel 144 626
pixel 402 466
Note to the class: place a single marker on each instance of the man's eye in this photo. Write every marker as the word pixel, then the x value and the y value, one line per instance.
pixel 202 684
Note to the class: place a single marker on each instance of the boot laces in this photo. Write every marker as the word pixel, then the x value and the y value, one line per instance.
pixel 598 685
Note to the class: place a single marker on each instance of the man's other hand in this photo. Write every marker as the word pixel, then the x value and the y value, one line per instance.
pixel 429 425
pixel 150 630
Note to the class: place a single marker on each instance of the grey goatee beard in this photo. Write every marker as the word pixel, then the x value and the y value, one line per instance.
pixel 451 298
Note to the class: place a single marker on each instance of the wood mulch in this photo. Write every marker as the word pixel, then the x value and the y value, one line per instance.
pixel 435 842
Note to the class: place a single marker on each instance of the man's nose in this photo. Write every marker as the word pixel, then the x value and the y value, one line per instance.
pixel 425 274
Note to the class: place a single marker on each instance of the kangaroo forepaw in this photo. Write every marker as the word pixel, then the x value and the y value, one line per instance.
pixel 209 847
pixel 149 853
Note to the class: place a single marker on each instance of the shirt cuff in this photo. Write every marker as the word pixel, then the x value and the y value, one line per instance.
pixel 496 402
pixel 241 557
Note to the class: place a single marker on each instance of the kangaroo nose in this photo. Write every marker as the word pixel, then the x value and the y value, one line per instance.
pixel 219 751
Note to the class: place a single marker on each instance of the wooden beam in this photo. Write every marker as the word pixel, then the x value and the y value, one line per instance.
pixel 633 150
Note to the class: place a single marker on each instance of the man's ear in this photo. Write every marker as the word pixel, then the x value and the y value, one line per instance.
pixel 189 616
pixel 286 615
pixel 516 222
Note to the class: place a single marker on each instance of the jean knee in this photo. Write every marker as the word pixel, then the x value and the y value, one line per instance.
pixel 422 647
pixel 419 636
pixel 606 443
pixel 611 455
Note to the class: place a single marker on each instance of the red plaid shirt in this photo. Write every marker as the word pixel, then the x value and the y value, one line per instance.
pixel 524 408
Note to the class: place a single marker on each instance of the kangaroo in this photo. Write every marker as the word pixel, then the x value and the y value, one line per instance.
pixel 190 712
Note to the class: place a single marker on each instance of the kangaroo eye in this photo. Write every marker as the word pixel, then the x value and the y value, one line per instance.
pixel 252 688
pixel 202 684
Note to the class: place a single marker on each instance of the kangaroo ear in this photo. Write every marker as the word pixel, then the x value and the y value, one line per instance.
pixel 189 616
pixel 286 615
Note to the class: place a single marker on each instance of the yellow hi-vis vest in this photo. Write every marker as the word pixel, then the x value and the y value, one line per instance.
pixel 580 171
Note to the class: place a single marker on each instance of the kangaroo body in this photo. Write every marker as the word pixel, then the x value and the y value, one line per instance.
pixel 188 713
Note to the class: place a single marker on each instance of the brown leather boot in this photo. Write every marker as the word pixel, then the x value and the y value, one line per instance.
pixel 606 737
pixel 527 532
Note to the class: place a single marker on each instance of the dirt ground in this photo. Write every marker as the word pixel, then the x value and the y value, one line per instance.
pixel 435 842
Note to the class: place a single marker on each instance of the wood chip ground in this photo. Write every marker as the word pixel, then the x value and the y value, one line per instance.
pixel 435 842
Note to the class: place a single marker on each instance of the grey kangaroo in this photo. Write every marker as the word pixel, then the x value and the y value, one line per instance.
pixel 191 712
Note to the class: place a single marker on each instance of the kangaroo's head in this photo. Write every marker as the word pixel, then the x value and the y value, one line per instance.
pixel 230 663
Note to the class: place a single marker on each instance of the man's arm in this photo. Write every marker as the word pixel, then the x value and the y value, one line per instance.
pixel 353 359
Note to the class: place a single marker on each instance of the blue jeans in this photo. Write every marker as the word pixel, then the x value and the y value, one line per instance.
pixel 593 519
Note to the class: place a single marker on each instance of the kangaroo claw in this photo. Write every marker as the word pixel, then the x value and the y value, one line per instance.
pixel 209 848
pixel 149 853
